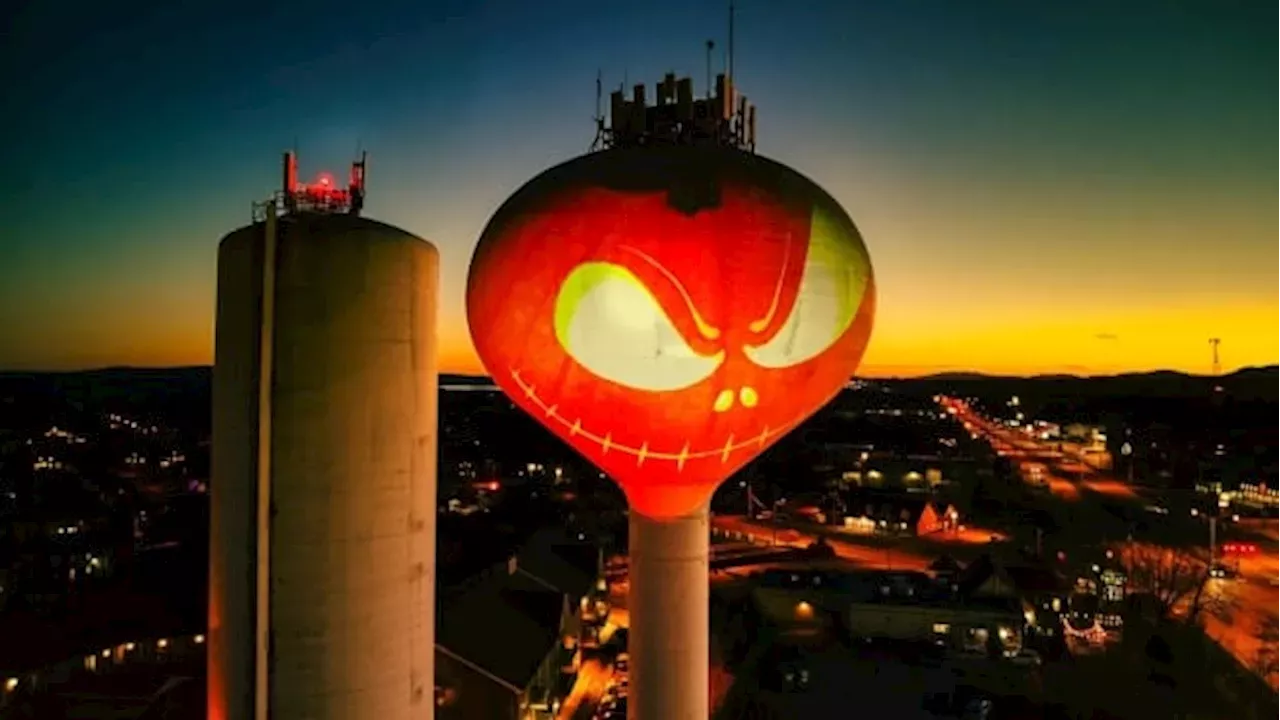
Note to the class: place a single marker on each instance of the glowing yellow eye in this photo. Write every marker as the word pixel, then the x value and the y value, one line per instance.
pixel 609 322
pixel 831 289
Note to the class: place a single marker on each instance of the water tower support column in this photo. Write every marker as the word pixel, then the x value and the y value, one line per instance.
pixel 670 623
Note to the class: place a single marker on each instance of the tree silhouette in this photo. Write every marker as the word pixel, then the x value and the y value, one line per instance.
pixel 1175 582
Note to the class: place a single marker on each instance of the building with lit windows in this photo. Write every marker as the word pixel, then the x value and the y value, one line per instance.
pixel 1258 495
pixel 900 606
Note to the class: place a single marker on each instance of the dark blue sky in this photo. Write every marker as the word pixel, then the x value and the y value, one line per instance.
pixel 1114 157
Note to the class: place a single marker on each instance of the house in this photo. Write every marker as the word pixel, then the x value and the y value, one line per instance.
pixel 907 515
pixel 901 606
pixel 502 646
pixel 573 567
pixel 950 517
pixel 509 640
pixel 1028 580
pixel 1041 591
pixel 986 578
pixel 944 569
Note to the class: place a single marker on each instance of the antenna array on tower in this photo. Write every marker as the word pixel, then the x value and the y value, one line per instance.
pixel 723 117
pixel 325 195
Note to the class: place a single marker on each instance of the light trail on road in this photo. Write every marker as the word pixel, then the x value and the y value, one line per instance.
pixel 1112 488
pixel 861 555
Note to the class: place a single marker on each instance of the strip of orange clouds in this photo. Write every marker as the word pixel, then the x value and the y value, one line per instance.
pixel 1084 343
pixel 1124 341
pixel 906 342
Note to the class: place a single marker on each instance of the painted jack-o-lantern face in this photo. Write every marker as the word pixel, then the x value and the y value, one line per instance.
pixel 670 314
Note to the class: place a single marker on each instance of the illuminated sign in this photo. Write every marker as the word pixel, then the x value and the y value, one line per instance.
pixel 670 313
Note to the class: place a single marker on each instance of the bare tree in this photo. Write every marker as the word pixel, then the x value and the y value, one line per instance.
pixel 1176 582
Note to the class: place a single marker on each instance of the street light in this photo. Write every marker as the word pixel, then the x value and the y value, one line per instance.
pixel 776 504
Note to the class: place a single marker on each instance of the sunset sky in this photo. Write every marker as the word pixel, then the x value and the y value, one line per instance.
pixel 1081 187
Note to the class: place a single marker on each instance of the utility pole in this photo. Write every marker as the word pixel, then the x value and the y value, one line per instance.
pixel 1126 451
pixel 1213 538
pixel 774 521
pixel 1217 364
pixel 711 45
pixel 729 69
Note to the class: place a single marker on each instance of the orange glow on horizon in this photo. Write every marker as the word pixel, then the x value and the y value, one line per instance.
pixel 910 339
pixel 1002 354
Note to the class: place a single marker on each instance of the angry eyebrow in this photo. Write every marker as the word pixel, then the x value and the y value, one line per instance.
pixel 705 328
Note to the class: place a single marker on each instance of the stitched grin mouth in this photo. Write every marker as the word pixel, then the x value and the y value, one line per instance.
pixel 644 452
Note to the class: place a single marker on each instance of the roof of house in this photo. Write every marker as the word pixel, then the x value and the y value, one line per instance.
pixel 979 573
pixel 505 624
pixel 564 563
pixel 1023 578
pixel 1035 579
pixel 945 563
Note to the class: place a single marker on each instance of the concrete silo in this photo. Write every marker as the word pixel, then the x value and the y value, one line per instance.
pixel 322 566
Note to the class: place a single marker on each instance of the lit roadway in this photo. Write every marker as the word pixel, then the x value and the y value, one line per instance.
pixel 593 678
pixel 595 674
pixel 1252 600
pixel 846 548
pixel 1252 597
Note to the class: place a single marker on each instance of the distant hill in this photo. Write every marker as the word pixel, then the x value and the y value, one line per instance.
pixel 451 379
pixel 31 399
pixel 110 380
pixel 183 394
pixel 1256 383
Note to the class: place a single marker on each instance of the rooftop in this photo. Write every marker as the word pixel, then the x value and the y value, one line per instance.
pixel 505 624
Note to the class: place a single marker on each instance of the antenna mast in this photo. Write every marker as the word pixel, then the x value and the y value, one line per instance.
pixel 720 118
pixel 1217 364
pixel 599 116
pixel 711 45
pixel 729 70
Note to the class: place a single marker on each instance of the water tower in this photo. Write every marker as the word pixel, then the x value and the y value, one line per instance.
pixel 322 558
pixel 671 304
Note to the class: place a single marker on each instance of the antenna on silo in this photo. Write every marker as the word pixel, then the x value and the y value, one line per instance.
pixel 357 183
